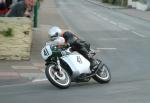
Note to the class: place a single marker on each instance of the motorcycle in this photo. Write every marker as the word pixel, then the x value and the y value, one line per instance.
pixel 64 66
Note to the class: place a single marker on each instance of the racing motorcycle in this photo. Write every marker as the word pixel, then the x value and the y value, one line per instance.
pixel 64 66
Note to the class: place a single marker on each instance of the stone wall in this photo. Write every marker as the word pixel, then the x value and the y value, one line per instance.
pixel 17 46
pixel 143 5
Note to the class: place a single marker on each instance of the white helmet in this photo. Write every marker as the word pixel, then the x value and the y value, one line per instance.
pixel 54 32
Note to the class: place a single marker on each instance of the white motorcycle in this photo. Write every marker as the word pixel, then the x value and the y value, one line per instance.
pixel 64 66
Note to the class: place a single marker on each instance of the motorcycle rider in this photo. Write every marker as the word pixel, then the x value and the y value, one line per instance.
pixel 74 42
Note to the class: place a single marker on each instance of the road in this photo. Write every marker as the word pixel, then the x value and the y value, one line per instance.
pixel 121 41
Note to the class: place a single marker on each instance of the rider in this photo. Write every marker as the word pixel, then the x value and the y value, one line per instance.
pixel 74 42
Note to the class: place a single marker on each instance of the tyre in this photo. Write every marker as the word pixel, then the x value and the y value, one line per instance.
pixel 61 80
pixel 103 75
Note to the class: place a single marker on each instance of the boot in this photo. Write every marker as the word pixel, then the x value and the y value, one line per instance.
pixel 93 65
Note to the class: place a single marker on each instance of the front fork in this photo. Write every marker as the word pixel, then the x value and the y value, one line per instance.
pixel 60 74
pixel 58 65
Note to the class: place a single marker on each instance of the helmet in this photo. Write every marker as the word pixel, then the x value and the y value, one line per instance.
pixel 54 32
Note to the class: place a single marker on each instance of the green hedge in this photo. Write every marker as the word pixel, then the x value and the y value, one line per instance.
pixel 105 1
pixel 116 2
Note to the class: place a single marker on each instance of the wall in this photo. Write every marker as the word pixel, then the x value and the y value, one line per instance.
pixel 18 46
pixel 139 4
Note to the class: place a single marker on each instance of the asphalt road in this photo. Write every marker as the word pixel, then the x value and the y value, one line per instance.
pixel 123 42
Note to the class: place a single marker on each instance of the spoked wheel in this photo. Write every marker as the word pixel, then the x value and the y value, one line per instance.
pixel 59 79
pixel 103 74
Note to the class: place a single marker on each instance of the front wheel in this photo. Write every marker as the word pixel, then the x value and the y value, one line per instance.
pixel 59 79
pixel 103 74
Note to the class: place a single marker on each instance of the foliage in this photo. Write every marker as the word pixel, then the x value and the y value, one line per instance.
pixel 105 1
pixel 122 2
pixel 116 2
pixel 7 33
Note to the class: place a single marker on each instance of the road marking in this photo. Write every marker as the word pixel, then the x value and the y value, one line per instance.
pixel 41 65
pixel 39 80
pixel 138 34
pixel 123 27
pixel 24 67
pixel 104 18
pixel 9 74
pixel 128 28
pixel 107 19
pixel 98 15
pixel 112 22
pixel 113 39
pixel 106 48
pixel 14 85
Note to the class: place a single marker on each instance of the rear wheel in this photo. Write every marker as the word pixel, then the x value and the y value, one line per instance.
pixel 59 79
pixel 103 74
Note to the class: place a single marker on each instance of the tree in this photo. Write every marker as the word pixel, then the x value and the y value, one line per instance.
pixel 113 2
pixel 123 2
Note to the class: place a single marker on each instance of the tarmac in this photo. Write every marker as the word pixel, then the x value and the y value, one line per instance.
pixel 15 72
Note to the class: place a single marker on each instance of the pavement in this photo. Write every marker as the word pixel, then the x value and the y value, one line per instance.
pixel 14 72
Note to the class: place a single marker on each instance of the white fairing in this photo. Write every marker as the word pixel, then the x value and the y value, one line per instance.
pixel 77 63
pixel 46 52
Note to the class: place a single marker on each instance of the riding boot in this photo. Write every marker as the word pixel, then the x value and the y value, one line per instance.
pixel 93 65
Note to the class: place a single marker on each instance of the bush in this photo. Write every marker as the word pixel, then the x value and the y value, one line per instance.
pixel 116 2
pixel 111 1
pixel 7 33
pixel 105 1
